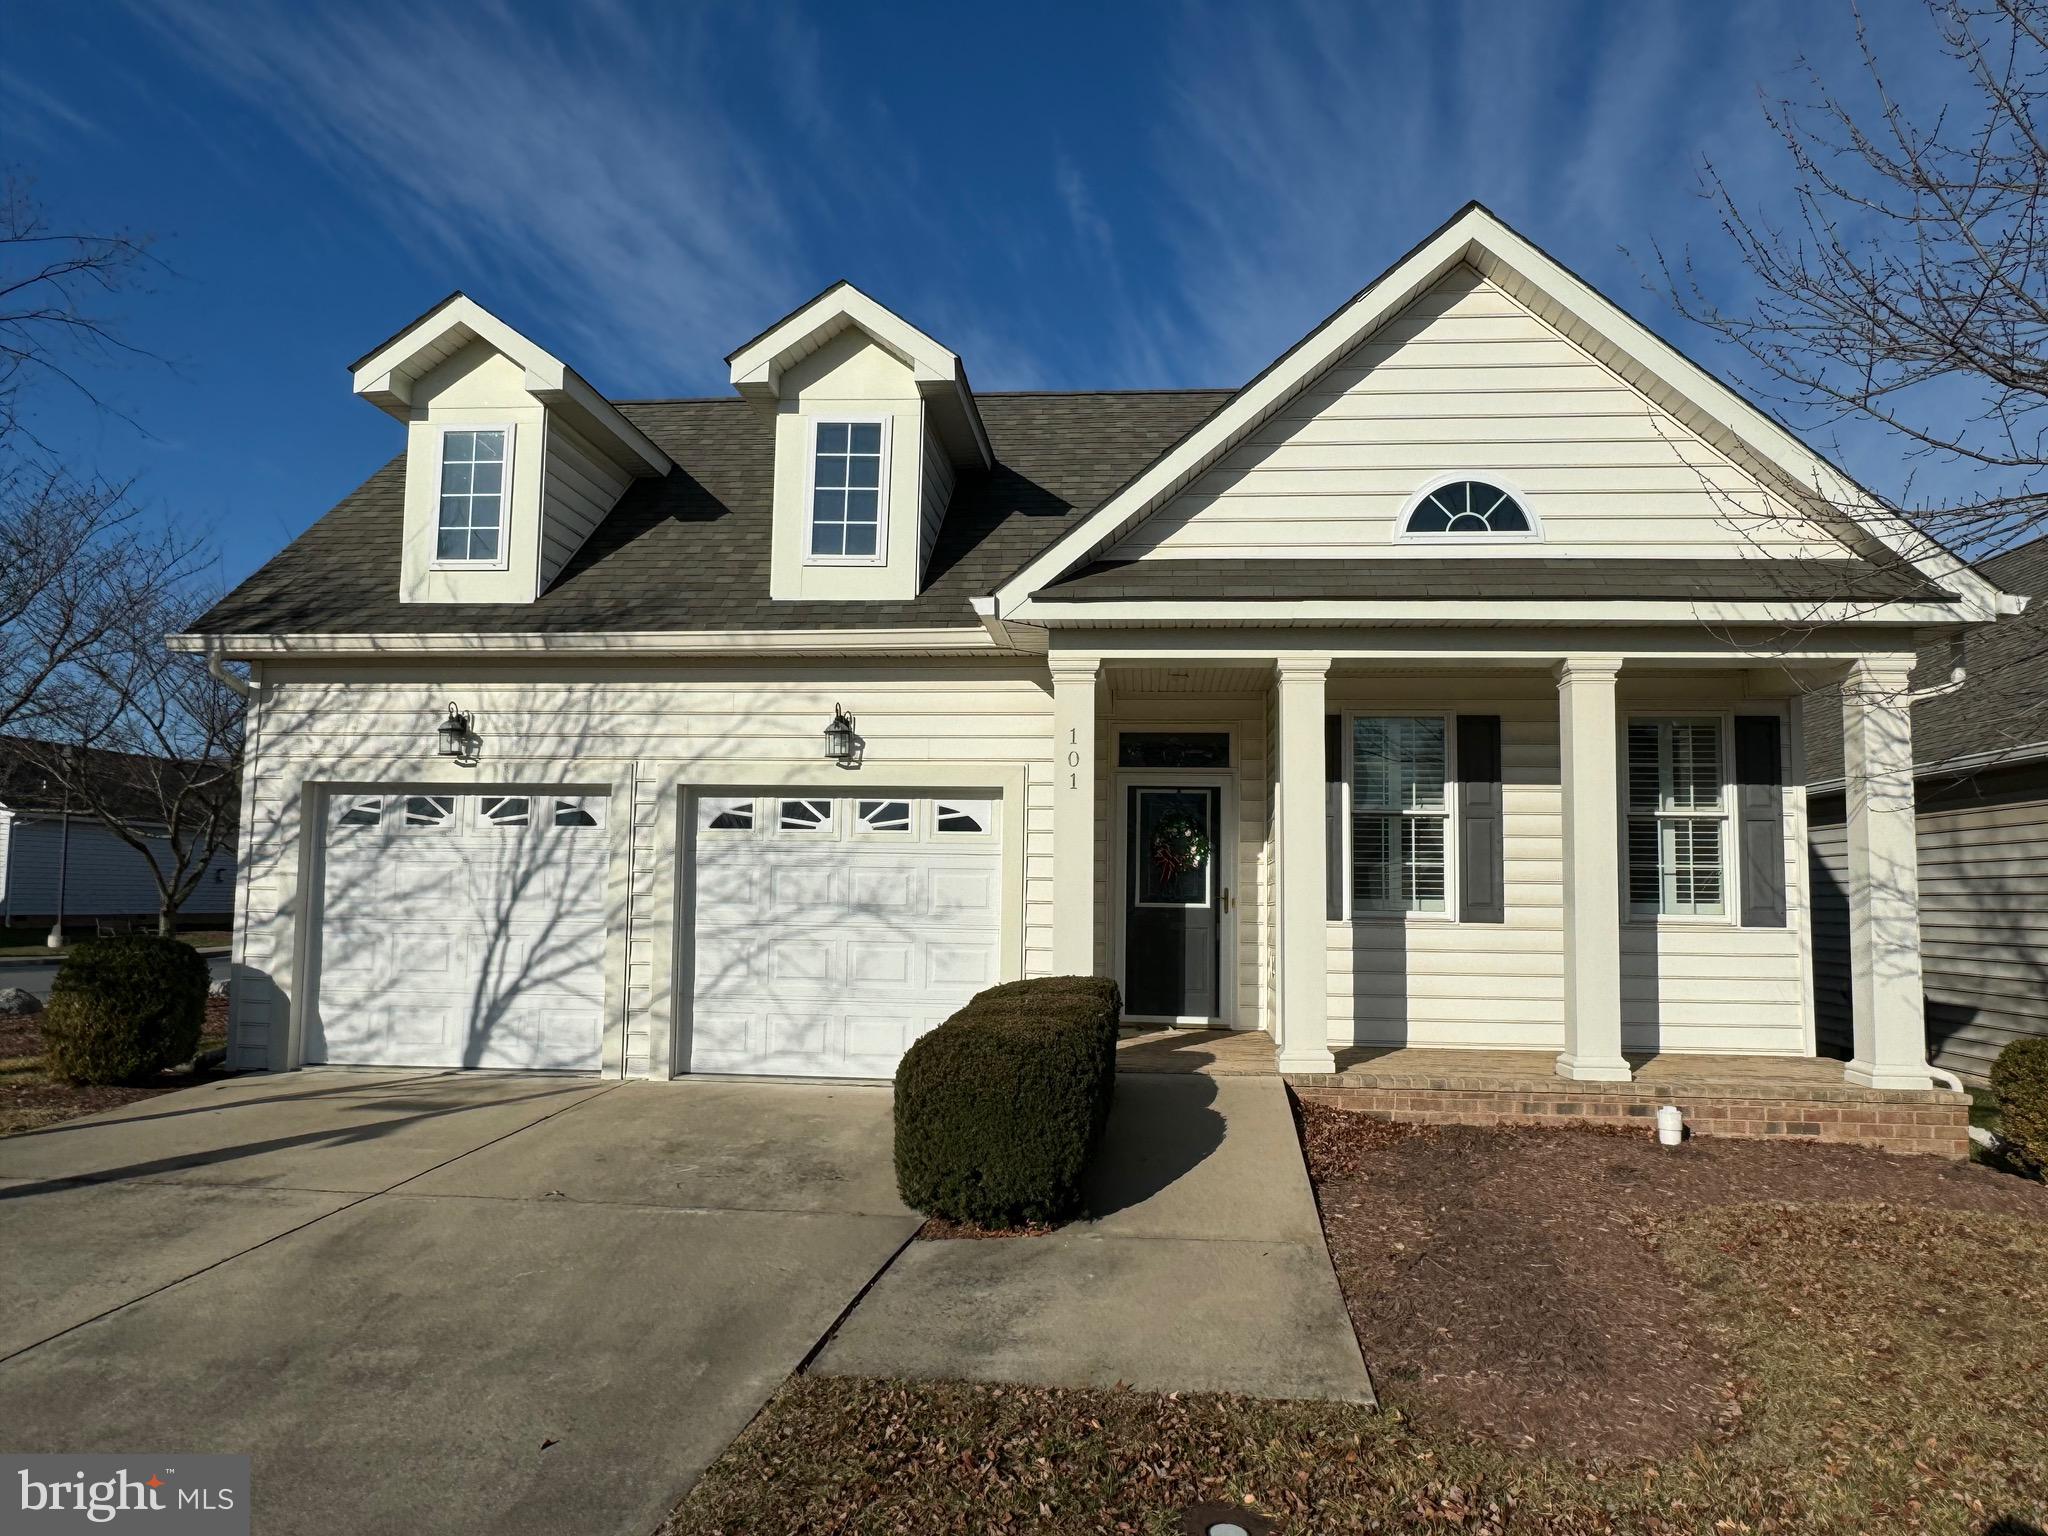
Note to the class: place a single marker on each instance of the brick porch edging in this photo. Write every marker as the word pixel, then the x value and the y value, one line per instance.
pixel 1935 1121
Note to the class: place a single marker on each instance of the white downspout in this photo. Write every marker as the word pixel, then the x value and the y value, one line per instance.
pixel 1958 674
pixel 243 688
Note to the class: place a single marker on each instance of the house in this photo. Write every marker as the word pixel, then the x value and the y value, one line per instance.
pixel 1438 689
pixel 103 877
pixel 1981 791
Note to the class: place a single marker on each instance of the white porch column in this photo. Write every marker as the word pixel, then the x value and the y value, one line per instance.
pixel 1884 878
pixel 1302 1031
pixel 1074 682
pixel 1592 871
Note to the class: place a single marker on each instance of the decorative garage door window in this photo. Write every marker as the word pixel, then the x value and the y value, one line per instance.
pixel 361 811
pixel 429 810
pixel 506 810
pixel 805 816
pixel 884 816
pixel 959 817
pixel 719 815
pixel 580 811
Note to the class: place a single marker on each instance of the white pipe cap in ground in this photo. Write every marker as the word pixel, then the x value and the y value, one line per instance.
pixel 1670 1125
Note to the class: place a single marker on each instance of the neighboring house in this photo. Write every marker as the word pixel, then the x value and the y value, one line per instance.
pixel 102 876
pixel 1981 787
pixel 1438 687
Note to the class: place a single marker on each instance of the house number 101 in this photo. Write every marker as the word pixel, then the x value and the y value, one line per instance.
pixel 1073 756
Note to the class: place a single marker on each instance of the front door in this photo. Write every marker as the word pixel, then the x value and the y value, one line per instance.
pixel 1173 900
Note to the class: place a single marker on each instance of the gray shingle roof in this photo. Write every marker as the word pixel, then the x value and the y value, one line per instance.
pixel 690 552
pixel 1465 578
pixel 2003 706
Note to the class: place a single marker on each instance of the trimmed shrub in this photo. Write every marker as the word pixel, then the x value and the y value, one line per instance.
pixel 2020 1080
pixel 123 1008
pixel 1000 1107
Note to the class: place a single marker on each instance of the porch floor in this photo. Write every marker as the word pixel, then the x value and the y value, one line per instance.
pixel 1214 1052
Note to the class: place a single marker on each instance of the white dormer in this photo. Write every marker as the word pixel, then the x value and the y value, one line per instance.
pixel 511 461
pixel 872 420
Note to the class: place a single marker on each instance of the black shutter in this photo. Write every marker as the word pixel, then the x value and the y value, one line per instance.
pixel 1482 845
pixel 1760 820
pixel 1333 816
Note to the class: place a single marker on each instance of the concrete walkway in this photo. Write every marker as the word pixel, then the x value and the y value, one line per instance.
pixel 1204 1268
pixel 442 1302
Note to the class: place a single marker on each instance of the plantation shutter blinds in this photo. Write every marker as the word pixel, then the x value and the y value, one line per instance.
pixel 1760 820
pixel 1333 817
pixel 1398 814
pixel 1482 849
pixel 1676 809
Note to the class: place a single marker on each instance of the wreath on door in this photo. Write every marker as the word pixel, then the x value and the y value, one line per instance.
pixel 1179 847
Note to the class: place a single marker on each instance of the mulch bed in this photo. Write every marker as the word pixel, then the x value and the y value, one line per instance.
pixel 1506 1283
pixel 30 1098
pixel 937 1229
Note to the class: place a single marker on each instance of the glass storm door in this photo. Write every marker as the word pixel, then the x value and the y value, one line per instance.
pixel 1173 900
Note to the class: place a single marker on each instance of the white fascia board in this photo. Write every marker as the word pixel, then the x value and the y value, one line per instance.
pixel 757 368
pixel 1507 611
pixel 1517 645
pixel 949 641
pixel 1477 236
pixel 385 377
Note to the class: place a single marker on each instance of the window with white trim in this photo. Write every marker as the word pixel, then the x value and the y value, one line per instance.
pixel 889 817
pixel 1467 509
pixel 471 526
pixel 846 491
pixel 955 818
pixel 506 810
pixel 579 812
pixel 362 811
pixel 720 814
pixel 804 816
pixel 1400 814
pixel 429 810
pixel 1677 818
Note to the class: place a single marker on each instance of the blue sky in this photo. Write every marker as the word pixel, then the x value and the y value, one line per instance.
pixel 1131 195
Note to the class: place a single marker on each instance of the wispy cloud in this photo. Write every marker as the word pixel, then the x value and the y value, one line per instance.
pixel 37 115
pixel 564 163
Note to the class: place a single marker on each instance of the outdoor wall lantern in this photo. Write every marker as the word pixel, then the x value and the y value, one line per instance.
pixel 454 734
pixel 841 745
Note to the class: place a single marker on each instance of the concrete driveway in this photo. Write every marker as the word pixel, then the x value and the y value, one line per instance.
pixel 436 1301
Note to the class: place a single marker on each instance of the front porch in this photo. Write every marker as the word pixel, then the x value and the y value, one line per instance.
pixel 1751 1096
pixel 1482 859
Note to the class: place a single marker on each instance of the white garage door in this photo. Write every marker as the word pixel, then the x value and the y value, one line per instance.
pixel 462 931
pixel 829 932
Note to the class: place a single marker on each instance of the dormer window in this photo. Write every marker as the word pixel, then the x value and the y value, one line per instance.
pixel 848 475
pixel 1452 511
pixel 471 530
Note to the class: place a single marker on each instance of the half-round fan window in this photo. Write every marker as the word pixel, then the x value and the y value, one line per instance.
pixel 1468 507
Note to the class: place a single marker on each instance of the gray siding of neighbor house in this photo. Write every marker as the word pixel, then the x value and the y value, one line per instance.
pixel 104 877
pixel 1983 915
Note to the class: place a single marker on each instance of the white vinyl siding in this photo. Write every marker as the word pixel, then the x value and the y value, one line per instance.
pixel 1400 821
pixel 581 487
pixel 935 494
pixel 1677 793
pixel 1468 381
